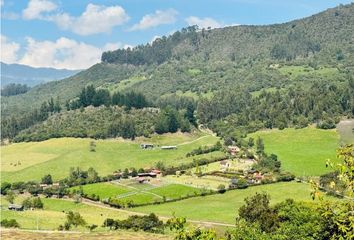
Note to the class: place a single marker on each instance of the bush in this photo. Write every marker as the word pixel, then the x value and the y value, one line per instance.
pixel 12 223
pixel 286 177
pixel 221 188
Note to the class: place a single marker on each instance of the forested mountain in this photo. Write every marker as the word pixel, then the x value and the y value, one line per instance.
pixel 280 75
pixel 22 74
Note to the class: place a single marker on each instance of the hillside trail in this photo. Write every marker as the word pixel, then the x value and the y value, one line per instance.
pixel 202 129
pixel 102 205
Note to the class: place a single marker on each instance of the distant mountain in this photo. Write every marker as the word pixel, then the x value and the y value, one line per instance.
pixel 17 73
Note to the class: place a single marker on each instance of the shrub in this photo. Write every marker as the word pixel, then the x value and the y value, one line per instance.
pixel 12 223
pixel 221 188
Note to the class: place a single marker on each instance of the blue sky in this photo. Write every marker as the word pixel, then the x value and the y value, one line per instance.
pixel 72 33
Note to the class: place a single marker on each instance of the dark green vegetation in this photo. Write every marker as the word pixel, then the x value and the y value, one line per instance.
pixel 295 60
pixel 14 89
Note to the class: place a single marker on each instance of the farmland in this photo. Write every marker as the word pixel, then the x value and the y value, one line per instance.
pixel 31 161
pixel 223 207
pixel 139 193
pixel 301 151
pixel 53 214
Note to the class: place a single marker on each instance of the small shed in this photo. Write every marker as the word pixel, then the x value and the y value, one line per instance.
pixel 15 207
pixel 169 147
pixel 150 174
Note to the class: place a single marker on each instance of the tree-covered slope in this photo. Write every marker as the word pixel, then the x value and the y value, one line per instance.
pixel 204 61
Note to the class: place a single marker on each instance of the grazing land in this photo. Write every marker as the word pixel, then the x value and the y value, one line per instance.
pixel 139 193
pixel 54 211
pixel 301 151
pixel 33 160
pixel 223 208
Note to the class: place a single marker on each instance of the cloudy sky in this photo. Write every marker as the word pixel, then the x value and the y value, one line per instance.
pixel 73 33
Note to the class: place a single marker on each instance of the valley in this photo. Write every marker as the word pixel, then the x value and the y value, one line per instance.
pixel 229 132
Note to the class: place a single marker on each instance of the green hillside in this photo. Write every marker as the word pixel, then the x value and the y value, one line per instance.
pixel 205 60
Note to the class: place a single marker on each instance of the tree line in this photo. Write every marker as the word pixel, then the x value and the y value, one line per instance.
pixel 89 96
pixel 14 89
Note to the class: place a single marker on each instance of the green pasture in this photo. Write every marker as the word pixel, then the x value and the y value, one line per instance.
pixel 224 207
pixel 33 160
pixel 303 152
pixel 54 211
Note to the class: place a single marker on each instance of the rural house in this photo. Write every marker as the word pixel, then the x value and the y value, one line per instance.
pixel 233 150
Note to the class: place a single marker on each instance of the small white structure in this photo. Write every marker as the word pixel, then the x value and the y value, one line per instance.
pixel 168 147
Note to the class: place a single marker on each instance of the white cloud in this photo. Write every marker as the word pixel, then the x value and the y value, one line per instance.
pixel 95 18
pixel 1 3
pixel 36 8
pixel 8 50
pixel 203 22
pixel 62 53
pixel 158 18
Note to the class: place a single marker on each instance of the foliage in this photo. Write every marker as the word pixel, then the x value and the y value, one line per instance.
pixel 32 202
pixel 10 196
pixel 206 149
pixel 14 89
pixel 12 223
pixel 47 179
pixel 178 224
pixel 148 223
pixel 73 219
pixel 257 210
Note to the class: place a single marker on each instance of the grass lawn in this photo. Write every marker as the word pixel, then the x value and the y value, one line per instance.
pixel 56 156
pixel 223 207
pixel 301 151
pixel 138 193
pixel 173 191
pixel 104 190
pixel 205 182
pixel 53 214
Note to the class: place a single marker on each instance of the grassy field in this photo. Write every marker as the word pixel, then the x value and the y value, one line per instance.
pixel 31 161
pixel 223 207
pixel 113 235
pixel 104 190
pixel 345 131
pixel 301 151
pixel 138 193
pixel 53 214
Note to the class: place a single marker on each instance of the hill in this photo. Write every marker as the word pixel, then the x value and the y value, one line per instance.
pixel 23 74
pixel 202 61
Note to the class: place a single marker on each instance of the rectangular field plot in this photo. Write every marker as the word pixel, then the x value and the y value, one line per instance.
pixel 104 190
